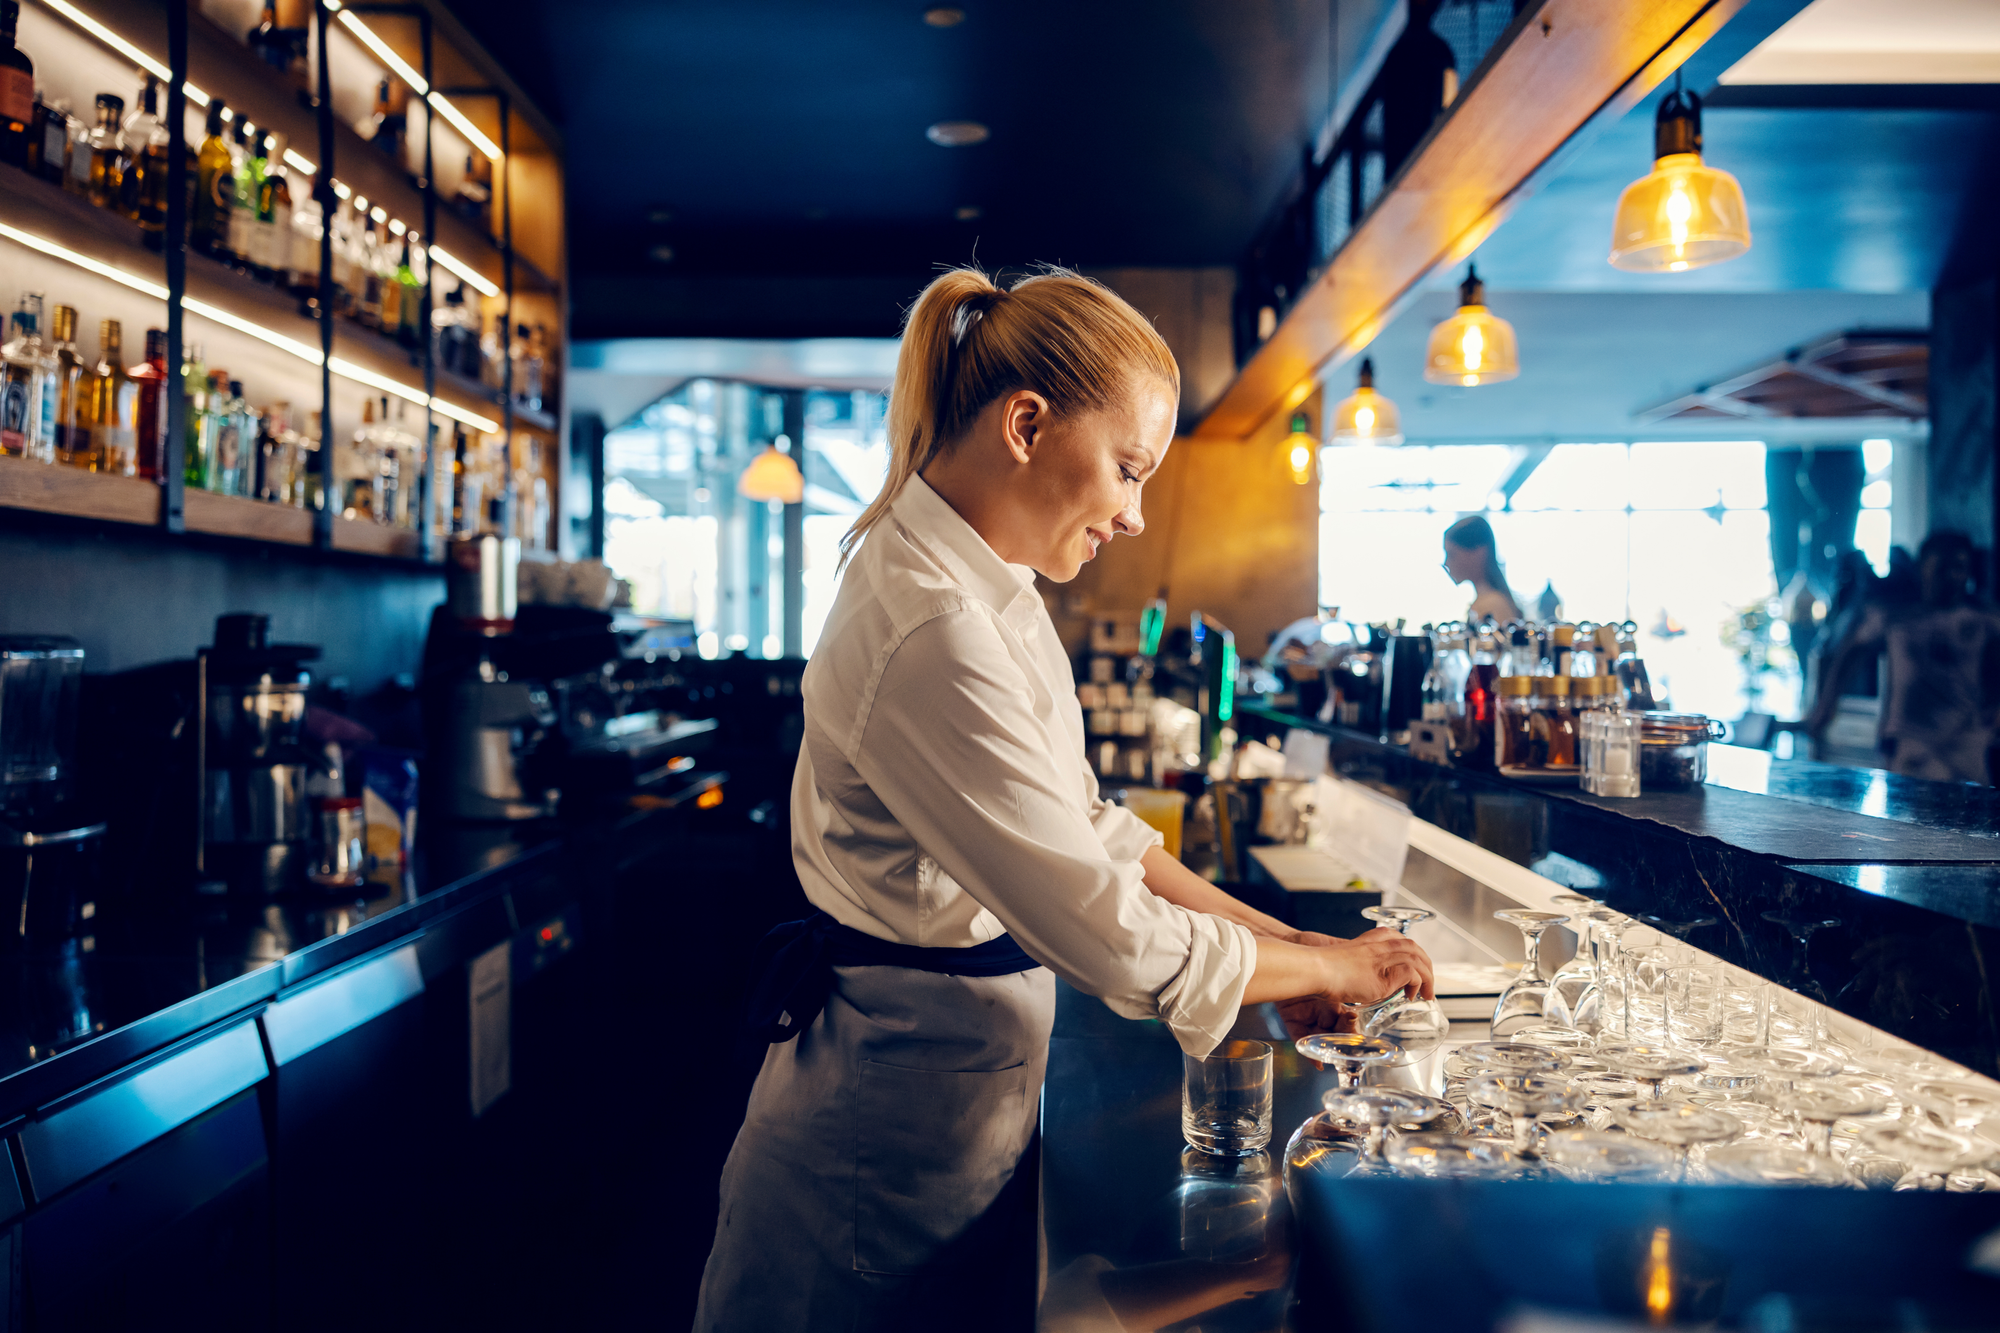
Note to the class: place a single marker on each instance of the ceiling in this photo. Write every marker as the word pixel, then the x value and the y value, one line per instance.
pixel 777 148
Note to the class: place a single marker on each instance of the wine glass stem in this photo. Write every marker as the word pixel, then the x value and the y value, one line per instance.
pixel 1524 1130
pixel 1819 1137
pixel 1378 1138
pixel 1657 1089
pixel 1350 1073
pixel 1531 941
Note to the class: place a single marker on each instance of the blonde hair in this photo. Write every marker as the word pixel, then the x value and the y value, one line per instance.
pixel 968 342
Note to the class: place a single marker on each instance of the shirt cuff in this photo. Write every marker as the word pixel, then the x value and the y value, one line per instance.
pixel 1199 1006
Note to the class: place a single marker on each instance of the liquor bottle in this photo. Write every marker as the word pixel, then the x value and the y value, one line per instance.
pixel 274 219
pixel 385 124
pixel 311 466
pixel 146 138
pixel 493 352
pixel 458 448
pixel 474 198
pixel 457 333
pixel 248 179
pixel 302 249
pixel 24 384
pixel 391 318
pixel 368 272
pixel 246 425
pixel 110 406
pixel 107 153
pixel 72 433
pixel 294 17
pixel 194 392
pixel 48 140
pixel 409 307
pixel 528 366
pixel 280 480
pixel 17 90
pixel 149 413
pixel 269 42
pixel 77 179
pixel 215 188
pixel 356 471
pixel 219 446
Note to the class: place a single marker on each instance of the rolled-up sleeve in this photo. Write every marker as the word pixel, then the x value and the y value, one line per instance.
pixel 954 750
pixel 1125 836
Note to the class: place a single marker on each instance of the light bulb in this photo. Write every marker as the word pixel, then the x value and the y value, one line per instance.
pixel 1472 346
pixel 1364 420
pixel 1683 213
pixel 1365 416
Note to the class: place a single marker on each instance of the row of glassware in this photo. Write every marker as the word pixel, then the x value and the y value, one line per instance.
pixel 1650 1063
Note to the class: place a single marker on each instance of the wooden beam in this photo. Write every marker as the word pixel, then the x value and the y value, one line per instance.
pixel 1573 65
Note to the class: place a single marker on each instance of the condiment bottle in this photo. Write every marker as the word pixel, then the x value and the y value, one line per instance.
pixel 1515 742
pixel 1555 718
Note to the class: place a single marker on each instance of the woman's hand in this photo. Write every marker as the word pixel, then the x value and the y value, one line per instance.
pixel 1311 979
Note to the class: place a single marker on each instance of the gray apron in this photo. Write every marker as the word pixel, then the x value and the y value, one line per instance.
pixel 875 1183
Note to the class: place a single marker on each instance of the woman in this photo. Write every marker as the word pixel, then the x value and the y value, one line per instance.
pixel 948 830
pixel 1470 557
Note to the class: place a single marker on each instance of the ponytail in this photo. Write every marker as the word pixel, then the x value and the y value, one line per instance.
pixel 968 342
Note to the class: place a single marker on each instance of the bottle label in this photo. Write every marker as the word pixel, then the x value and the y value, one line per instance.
pixel 17 95
pixel 14 415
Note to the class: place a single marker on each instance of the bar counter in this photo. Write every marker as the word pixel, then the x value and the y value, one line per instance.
pixel 1906 871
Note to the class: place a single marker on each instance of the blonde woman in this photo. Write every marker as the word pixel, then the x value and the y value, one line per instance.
pixel 948 829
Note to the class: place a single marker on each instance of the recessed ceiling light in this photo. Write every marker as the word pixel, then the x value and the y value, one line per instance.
pixel 957 133
pixel 943 16
pixel 660 217
pixel 661 254
pixel 970 212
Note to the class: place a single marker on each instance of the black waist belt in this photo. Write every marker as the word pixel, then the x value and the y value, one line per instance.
pixel 795 962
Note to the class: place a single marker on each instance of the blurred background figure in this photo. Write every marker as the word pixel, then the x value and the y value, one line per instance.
pixel 1938 712
pixel 1470 557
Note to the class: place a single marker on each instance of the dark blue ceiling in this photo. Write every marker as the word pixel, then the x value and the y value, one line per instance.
pixel 777 146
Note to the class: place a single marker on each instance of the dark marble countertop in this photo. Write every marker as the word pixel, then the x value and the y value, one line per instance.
pixel 145 973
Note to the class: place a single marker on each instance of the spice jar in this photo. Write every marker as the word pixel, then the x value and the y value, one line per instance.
pixel 1673 750
pixel 1516 744
pixel 1555 719
pixel 1610 742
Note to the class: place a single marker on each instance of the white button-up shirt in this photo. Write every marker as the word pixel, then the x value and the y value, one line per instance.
pixel 942 796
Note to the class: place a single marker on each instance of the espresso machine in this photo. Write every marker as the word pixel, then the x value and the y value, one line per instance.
pixel 254 765
pixel 50 848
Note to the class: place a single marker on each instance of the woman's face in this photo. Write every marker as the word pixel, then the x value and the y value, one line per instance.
pixel 1461 563
pixel 1083 483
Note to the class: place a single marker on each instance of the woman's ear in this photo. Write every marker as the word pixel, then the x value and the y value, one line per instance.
pixel 1024 417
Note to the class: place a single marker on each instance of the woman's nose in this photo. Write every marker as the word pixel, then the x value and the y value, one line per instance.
pixel 1130 521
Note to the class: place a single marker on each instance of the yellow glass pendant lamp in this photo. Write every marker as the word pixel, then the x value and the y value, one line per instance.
pixel 1475 346
pixel 1299 449
pixel 772 475
pixel 1365 416
pixel 1682 214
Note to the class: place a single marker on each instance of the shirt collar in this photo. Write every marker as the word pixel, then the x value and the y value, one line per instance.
pixel 963 553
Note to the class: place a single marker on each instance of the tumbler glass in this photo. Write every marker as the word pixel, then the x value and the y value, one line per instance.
pixel 1610 753
pixel 1226 1099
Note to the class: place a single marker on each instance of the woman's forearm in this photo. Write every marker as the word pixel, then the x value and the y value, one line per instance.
pixel 1169 879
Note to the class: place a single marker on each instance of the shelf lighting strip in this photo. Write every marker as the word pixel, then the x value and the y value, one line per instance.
pixel 401 69
pixel 303 351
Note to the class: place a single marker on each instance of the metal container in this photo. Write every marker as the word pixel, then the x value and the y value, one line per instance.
pixel 482 581
pixel 41 679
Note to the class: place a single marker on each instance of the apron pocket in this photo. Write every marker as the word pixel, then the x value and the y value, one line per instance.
pixel 932 1149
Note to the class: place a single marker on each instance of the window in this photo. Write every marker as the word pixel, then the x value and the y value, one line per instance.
pixel 1672 536
pixel 697 551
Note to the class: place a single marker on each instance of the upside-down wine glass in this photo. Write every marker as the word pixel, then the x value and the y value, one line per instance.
pixel 1350 1053
pixel 1377 1109
pixel 1650 1064
pixel 1524 1097
pixel 1816 1106
pixel 1930 1153
pixel 1523 1003
pixel 1570 982
pixel 1417 1026
pixel 1679 1125
pixel 1455 1157
pixel 1800 925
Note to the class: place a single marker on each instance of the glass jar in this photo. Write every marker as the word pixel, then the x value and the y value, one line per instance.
pixel 1673 749
pixel 1610 743
pixel 1555 720
pixel 339 842
pixel 1516 742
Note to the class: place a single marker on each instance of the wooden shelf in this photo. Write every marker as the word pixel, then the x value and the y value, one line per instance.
pixel 50 488
pixel 373 539
pixel 46 210
pixel 241 516
pixel 545 422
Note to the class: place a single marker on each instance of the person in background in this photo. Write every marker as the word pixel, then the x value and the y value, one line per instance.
pixel 1470 557
pixel 1938 701
pixel 1303 650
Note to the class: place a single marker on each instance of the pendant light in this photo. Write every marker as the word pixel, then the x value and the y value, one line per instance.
pixel 1474 346
pixel 1682 214
pixel 1298 450
pixel 1365 416
pixel 772 475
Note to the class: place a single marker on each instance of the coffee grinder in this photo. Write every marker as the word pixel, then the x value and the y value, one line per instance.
pixel 253 764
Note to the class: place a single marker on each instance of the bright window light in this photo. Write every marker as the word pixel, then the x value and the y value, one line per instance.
pixel 1876 455
pixel 1871 538
pixel 1875 495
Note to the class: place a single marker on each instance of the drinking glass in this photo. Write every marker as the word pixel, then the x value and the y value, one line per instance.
pixel 1521 1005
pixel 1765 1163
pixel 1377 1109
pixel 1604 1156
pixel 1930 1153
pixel 1226 1205
pixel 1524 1097
pixel 1785 1065
pixel 1680 930
pixel 1417 1026
pixel 1815 1106
pixel 1800 925
pixel 1693 996
pixel 1455 1157
pixel 1350 1053
pixel 1573 978
pixel 1651 1064
pixel 1226 1099
pixel 1959 1106
pixel 1679 1125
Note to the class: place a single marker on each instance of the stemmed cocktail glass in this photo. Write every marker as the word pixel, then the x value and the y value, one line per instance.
pixel 1417 1026
pixel 1679 1125
pixel 1523 1003
pixel 1350 1053
pixel 1523 1097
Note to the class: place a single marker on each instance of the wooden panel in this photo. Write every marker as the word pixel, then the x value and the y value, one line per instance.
pixel 53 489
pixel 240 516
pixel 373 539
pixel 1576 63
